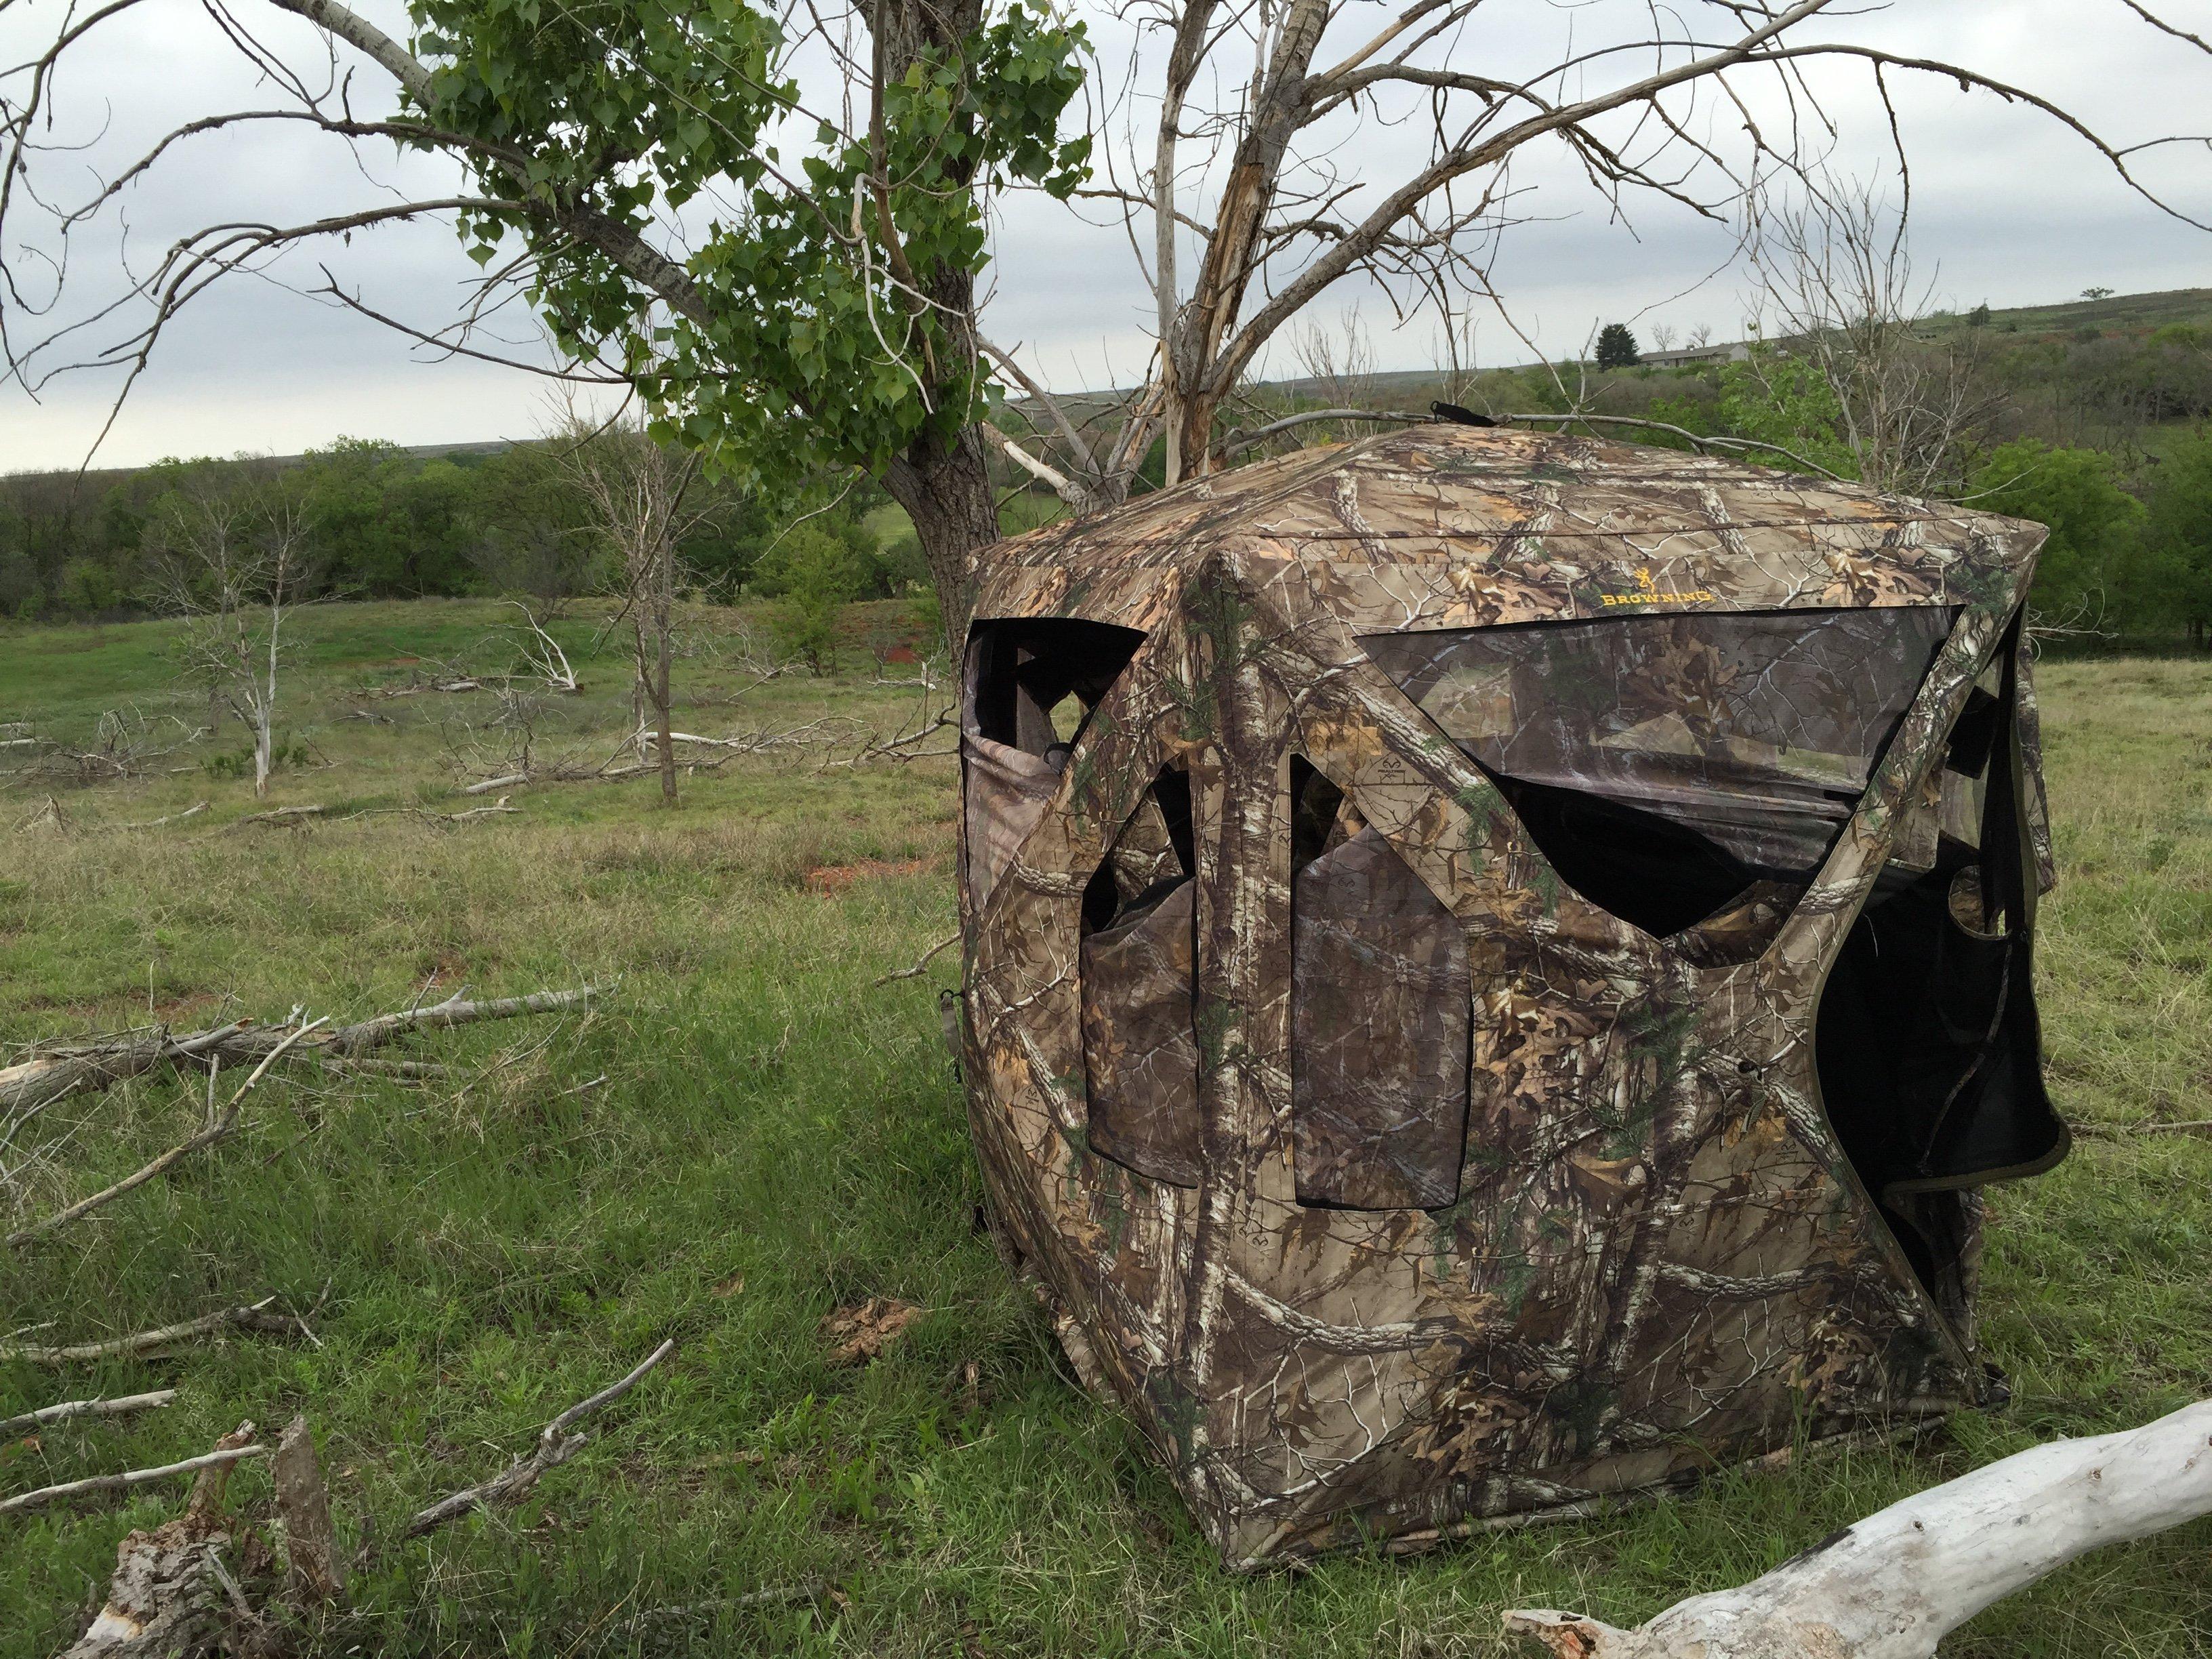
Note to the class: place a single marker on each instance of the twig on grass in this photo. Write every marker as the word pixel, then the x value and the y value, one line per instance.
pixel 555 1446
pixel 920 964
pixel 473 813
pixel 2202 1126
pixel 289 815
pixel 219 1129
pixel 128 1477
pixel 121 1406
pixel 247 1316
pixel 192 812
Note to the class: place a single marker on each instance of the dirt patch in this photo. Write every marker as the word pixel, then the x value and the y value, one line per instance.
pixel 832 880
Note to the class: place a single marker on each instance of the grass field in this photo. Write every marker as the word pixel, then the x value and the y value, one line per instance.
pixel 777 1136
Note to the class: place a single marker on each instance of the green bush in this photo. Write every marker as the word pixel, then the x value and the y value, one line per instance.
pixel 813 572
pixel 2091 568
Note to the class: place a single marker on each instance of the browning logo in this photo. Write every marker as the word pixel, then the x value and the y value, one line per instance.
pixel 1649 593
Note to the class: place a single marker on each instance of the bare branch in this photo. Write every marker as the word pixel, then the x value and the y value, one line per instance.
pixel 121 1406
pixel 129 1478
pixel 249 1316
pixel 555 1446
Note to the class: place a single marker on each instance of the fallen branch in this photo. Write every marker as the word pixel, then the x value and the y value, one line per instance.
pixel 920 961
pixel 1893 1586
pixel 121 1406
pixel 473 813
pixel 128 1477
pixel 219 1128
pixel 192 812
pixel 555 1446
pixel 49 817
pixel 2202 1126
pixel 48 1076
pixel 509 782
pixel 249 1316
pixel 279 815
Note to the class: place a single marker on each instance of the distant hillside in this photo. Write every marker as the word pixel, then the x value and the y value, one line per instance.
pixel 2117 314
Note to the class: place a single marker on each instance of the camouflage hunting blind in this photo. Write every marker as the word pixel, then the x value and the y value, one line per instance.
pixel 1497 964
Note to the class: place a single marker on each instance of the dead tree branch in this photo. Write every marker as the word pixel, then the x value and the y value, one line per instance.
pixel 920 961
pixel 58 1070
pixel 292 816
pixel 219 1128
pixel 247 1316
pixel 121 1406
pixel 555 1446
pixel 126 1480
pixel 192 812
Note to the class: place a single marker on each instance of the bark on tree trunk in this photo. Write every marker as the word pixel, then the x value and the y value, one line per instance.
pixel 261 746
pixel 945 489
pixel 943 484
pixel 664 604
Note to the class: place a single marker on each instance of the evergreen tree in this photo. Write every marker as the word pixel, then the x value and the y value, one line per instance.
pixel 1616 347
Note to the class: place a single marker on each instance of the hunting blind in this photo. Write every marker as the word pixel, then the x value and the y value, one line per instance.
pixel 1497 965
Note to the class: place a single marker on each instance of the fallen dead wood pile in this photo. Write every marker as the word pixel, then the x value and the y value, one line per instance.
pixel 60 1069
pixel 179 1590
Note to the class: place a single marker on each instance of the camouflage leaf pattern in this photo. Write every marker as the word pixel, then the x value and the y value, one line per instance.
pixel 1658 1260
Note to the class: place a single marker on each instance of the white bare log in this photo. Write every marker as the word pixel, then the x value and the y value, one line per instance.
pixel 121 1406
pixel 512 779
pixel 126 1479
pixel 1892 1586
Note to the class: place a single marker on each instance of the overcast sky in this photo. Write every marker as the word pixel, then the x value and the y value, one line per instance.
pixel 2007 208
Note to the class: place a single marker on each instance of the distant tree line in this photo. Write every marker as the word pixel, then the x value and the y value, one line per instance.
pixel 377 521
pixel 2105 436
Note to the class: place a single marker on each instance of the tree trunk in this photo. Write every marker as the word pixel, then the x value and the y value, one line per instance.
pixel 946 490
pixel 261 746
pixel 943 484
pixel 664 603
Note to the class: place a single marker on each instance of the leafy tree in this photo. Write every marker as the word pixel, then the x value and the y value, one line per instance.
pixel 815 571
pixel 2178 533
pixel 1774 399
pixel 1980 316
pixel 2090 567
pixel 1616 347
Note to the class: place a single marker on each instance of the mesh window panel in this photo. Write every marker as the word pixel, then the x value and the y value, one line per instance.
pixel 1139 965
pixel 1379 1022
pixel 1756 732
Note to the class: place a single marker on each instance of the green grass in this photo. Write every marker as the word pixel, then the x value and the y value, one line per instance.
pixel 777 1137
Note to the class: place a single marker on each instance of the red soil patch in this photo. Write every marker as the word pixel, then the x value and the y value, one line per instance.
pixel 831 880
